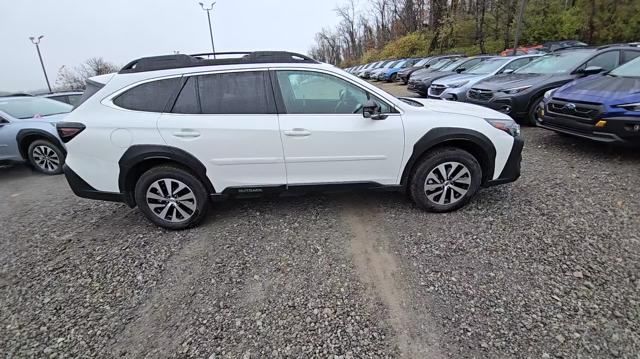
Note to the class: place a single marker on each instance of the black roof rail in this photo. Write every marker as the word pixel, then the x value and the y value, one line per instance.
pixel 573 48
pixel 167 62
pixel 613 45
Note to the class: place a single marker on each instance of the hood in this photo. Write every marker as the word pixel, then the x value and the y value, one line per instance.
pixel 458 78
pixel 505 81
pixel 460 108
pixel 601 89
pixel 422 72
pixel 432 76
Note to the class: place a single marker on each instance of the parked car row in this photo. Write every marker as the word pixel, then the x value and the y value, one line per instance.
pixel 589 81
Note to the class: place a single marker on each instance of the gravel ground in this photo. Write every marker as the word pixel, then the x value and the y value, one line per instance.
pixel 546 267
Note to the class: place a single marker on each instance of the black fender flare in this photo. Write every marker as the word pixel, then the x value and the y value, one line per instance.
pixel 27 132
pixel 137 155
pixel 473 141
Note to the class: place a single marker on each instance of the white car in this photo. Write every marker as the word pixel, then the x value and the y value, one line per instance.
pixel 168 133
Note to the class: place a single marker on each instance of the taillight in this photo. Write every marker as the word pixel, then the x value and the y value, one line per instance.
pixel 68 130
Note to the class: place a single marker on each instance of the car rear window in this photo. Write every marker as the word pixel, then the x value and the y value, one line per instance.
pixel 149 97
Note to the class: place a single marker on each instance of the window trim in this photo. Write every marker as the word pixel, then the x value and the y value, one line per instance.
pixel 280 100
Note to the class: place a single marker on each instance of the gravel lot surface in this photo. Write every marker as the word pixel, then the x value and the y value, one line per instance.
pixel 546 267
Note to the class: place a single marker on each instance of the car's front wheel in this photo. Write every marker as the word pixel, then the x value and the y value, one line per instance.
pixel 445 180
pixel 171 197
pixel 533 112
pixel 45 157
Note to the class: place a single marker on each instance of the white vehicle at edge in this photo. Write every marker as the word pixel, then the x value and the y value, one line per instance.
pixel 168 133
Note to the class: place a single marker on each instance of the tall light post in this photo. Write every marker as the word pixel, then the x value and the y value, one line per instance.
pixel 36 41
pixel 208 10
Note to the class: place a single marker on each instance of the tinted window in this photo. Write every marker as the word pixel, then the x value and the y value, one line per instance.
pixel 469 64
pixel 151 96
pixel 629 55
pixel 90 90
pixel 306 92
pixel 233 93
pixel 187 101
pixel 608 60
pixel 74 100
pixel 557 63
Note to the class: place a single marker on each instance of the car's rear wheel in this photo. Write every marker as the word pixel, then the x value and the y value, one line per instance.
pixel 445 180
pixel 171 197
pixel 393 78
pixel 45 157
pixel 532 116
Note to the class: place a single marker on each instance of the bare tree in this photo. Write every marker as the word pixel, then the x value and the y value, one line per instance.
pixel 74 79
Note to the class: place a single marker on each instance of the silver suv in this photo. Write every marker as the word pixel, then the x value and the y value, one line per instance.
pixel 28 132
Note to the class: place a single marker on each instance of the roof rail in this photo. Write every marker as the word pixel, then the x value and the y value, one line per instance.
pixel 166 62
pixel 613 45
pixel 573 47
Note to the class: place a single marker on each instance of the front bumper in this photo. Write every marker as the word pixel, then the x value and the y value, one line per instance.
pixel 516 106
pixel 511 170
pixel 622 130
pixel 418 87
pixel 82 189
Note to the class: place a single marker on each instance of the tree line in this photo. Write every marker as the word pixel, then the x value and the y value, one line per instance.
pixel 374 29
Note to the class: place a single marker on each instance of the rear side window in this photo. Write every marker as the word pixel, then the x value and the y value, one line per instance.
pixel 150 97
pixel 607 61
pixel 628 56
pixel 235 93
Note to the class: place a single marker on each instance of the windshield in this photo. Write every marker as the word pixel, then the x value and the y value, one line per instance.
pixel 487 67
pixel 452 66
pixel 558 63
pixel 399 64
pixel 630 69
pixel 382 64
pixel 390 64
pixel 421 62
pixel 30 107
pixel 440 63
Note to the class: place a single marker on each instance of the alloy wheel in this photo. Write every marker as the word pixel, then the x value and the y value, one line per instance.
pixel 46 158
pixel 171 200
pixel 447 183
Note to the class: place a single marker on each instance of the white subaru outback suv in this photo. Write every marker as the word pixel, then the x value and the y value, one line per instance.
pixel 169 133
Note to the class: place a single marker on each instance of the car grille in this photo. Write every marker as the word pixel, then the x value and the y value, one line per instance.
pixel 436 90
pixel 576 110
pixel 480 94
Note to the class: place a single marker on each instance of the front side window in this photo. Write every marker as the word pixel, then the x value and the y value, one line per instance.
pixel 305 92
pixel 149 97
pixel 607 61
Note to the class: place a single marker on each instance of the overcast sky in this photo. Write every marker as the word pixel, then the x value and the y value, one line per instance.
pixel 122 30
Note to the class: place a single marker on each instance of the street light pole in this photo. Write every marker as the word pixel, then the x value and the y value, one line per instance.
pixel 208 10
pixel 36 41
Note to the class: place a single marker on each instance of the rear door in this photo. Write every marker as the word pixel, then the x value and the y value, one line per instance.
pixel 228 121
pixel 325 137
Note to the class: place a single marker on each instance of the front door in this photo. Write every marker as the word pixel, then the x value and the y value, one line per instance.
pixel 325 137
pixel 228 121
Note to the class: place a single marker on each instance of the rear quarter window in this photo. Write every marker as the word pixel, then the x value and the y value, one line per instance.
pixel 149 97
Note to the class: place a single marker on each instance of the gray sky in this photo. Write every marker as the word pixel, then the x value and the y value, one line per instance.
pixel 121 30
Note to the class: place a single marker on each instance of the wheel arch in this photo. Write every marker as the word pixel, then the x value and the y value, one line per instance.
pixel 26 136
pixel 140 158
pixel 471 141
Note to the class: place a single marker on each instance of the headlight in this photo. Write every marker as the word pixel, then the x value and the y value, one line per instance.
pixel 515 90
pixel 457 84
pixel 549 94
pixel 508 126
pixel 631 106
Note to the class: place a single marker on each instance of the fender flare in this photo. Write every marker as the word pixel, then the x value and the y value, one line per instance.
pixel 136 155
pixel 24 133
pixel 484 150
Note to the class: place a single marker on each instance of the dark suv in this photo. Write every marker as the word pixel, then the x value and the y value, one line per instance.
pixel 518 94
pixel 420 82
pixel 604 108
pixel 425 63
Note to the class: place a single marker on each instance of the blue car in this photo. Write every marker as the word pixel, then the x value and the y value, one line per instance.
pixel 604 108
pixel 391 73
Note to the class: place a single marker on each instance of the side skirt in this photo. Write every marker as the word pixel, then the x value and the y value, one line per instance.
pixel 261 191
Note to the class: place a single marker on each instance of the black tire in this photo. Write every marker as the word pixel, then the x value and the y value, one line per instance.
pixel 173 216
pixel 46 157
pixel 429 199
pixel 405 81
pixel 532 115
pixel 393 78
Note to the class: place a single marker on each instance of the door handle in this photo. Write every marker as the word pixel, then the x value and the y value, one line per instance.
pixel 297 132
pixel 186 133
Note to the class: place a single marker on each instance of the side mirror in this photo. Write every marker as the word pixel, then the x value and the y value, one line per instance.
pixel 591 70
pixel 507 71
pixel 3 122
pixel 372 110
pixel 460 69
